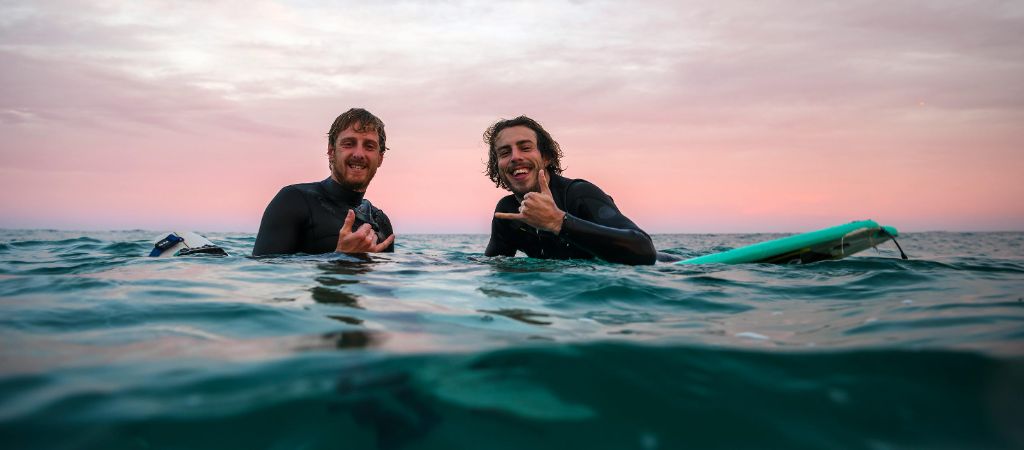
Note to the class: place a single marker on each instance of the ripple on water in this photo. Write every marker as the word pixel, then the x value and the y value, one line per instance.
pixel 438 346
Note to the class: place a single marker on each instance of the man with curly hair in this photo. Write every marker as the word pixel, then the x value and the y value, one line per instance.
pixel 332 215
pixel 548 215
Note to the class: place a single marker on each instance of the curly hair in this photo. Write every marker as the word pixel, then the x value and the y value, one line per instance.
pixel 364 120
pixel 549 149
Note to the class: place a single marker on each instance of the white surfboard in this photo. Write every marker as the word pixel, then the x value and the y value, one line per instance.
pixel 181 243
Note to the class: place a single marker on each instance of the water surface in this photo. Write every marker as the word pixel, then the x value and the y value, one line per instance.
pixel 436 346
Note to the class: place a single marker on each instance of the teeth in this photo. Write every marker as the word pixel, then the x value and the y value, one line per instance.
pixel 520 171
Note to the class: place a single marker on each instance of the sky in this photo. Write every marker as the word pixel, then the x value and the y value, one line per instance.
pixel 696 117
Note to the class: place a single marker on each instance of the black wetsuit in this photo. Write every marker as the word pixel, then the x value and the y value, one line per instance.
pixel 593 227
pixel 306 218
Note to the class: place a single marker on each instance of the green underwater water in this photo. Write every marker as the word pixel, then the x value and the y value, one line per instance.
pixel 436 346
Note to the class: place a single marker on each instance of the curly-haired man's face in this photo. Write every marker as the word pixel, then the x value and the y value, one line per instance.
pixel 519 159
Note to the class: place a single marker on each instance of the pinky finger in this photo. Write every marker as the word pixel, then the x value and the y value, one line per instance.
pixel 384 245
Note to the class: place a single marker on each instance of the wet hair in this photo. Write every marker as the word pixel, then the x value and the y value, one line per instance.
pixel 549 149
pixel 364 120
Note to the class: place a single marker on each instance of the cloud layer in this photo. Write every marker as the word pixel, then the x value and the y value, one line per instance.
pixel 742 116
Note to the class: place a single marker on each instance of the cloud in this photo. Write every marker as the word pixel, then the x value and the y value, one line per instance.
pixel 257 82
pixel 679 58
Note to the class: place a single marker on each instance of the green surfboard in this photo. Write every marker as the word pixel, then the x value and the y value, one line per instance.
pixel 830 243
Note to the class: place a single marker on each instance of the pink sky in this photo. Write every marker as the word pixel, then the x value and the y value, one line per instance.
pixel 758 116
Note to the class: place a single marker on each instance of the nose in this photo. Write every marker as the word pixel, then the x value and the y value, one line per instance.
pixel 359 150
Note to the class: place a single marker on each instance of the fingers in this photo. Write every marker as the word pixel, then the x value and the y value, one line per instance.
pixel 358 241
pixel 536 199
pixel 350 219
pixel 364 233
pixel 384 245
pixel 508 216
pixel 370 239
pixel 345 231
pixel 542 177
pixel 538 209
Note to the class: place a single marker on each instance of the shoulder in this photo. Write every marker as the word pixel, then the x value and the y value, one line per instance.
pixel 582 188
pixel 287 196
pixel 294 192
pixel 302 188
pixel 292 200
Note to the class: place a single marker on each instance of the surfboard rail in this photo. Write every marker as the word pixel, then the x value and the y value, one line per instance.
pixel 830 243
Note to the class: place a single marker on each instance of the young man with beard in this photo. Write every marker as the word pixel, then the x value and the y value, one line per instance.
pixel 550 216
pixel 332 215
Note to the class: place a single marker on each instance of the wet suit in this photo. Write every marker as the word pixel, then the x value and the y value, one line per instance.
pixel 593 227
pixel 306 218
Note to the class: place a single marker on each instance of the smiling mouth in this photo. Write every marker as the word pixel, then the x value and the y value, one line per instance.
pixel 356 165
pixel 519 173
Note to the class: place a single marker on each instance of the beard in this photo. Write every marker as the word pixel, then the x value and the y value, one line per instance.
pixel 519 193
pixel 516 189
pixel 339 176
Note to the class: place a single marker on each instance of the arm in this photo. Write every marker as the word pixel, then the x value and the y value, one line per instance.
pixel 597 226
pixel 499 245
pixel 604 232
pixel 281 224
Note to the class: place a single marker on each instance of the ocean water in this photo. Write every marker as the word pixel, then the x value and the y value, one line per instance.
pixel 436 346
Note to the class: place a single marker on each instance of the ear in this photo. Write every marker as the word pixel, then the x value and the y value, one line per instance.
pixel 380 161
pixel 330 150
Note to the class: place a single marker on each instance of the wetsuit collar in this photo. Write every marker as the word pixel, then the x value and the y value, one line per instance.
pixel 340 194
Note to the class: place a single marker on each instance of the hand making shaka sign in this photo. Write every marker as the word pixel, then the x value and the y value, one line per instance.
pixel 538 209
pixel 362 240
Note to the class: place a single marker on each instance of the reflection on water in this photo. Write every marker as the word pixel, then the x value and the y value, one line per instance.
pixel 346 319
pixel 522 315
pixel 334 295
pixel 493 292
pixel 339 274
pixel 346 267
pixel 346 282
pixel 353 339
pixel 348 339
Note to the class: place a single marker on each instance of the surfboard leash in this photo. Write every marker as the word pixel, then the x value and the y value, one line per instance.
pixel 902 255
